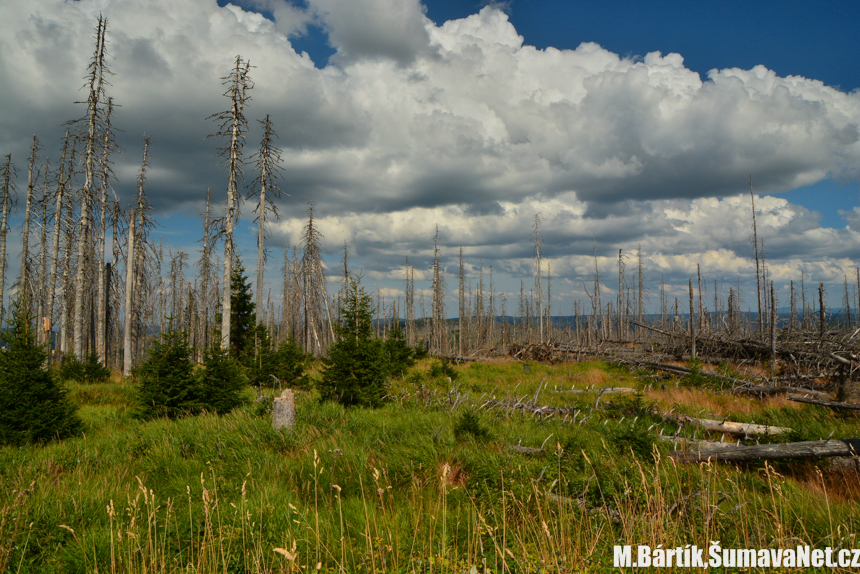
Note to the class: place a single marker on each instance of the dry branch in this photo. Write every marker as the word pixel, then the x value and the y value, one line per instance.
pixel 831 404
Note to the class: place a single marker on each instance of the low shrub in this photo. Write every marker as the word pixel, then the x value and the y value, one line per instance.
pixel 443 368
pixel 90 370
pixel 469 424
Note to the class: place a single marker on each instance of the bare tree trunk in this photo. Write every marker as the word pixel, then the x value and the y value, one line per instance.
pixel 438 300
pixel 692 324
pixel 620 295
pixel 701 302
pixel 24 287
pixel 128 341
pixel 101 320
pixel 5 199
pixel 479 308
pixel 793 306
pixel 822 324
pixel 409 306
pixel 596 303
pixel 286 309
pixel 67 295
pixel 462 310
pixel 41 292
pixel 205 276
pixel 663 301
pixel 537 240
pixel 772 331
pixel 58 219
pixel 641 288
pixel 757 267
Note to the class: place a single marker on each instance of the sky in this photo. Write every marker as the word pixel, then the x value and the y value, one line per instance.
pixel 622 126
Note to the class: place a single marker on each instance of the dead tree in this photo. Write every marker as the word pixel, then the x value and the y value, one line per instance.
pixel 822 323
pixel 115 289
pixel 232 125
pixel 41 290
pixel 107 173
pixel 640 291
pixel 205 266
pixel 142 260
pixel 67 296
pixel 24 287
pixel 128 334
pixel 410 304
pixel 538 272
pixel 267 161
pixel 6 198
pixel 772 331
pixel 315 299
pixel 95 84
pixel 462 304
pixel 692 324
pixel 757 267
pixel 620 295
pixel 438 319
pixel 596 303
pixel 62 184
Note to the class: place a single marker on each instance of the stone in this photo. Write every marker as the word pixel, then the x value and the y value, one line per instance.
pixel 284 411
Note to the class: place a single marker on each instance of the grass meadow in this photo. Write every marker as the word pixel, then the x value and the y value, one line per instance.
pixel 425 484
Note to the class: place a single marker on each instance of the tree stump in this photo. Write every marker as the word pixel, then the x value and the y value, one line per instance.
pixel 284 411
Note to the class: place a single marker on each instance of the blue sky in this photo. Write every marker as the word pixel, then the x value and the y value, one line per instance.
pixel 406 115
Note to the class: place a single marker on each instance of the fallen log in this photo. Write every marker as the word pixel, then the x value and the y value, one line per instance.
pixel 831 404
pixel 744 429
pixel 690 443
pixel 806 449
